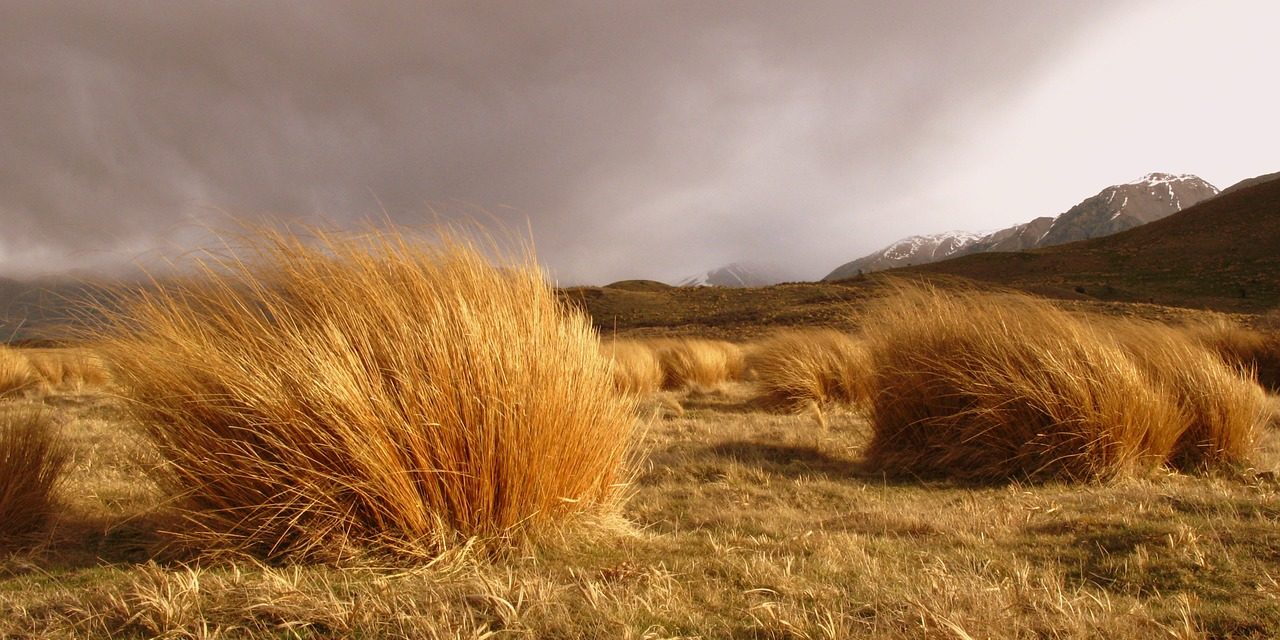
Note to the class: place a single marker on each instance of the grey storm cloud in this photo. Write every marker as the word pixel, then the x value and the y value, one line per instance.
pixel 635 139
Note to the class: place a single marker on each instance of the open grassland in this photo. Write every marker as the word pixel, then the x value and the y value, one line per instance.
pixel 744 523
pixel 372 437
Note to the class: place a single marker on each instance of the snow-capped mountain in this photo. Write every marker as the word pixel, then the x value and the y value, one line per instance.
pixel 735 275
pixel 913 250
pixel 1114 209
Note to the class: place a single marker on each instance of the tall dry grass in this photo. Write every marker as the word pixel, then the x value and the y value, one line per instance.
pixel 795 368
pixel 73 369
pixel 984 386
pixel 310 395
pixel 17 376
pixel 636 368
pixel 698 363
pixel 1223 408
pixel 32 464
pixel 1257 351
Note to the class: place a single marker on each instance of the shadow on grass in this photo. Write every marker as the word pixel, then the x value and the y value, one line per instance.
pixel 74 543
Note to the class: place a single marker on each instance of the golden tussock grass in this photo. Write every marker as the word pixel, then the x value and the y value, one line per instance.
pixel 17 376
pixel 693 362
pixel 636 368
pixel 793 369
pixel 68 368
pixel 32 464
pixel 984 386
pixel 1257 351
pixel 337 392
pixel 1223 408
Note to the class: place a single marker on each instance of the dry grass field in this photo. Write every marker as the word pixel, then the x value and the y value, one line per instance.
pixel 376 439
pixel 742 523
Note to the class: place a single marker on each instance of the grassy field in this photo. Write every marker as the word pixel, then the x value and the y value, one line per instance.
pixel 742 523
pixel 366 436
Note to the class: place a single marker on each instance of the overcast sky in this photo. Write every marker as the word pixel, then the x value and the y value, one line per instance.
pixel 636 139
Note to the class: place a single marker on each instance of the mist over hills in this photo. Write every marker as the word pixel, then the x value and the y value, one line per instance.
pixel 1114 209
pixel 737 274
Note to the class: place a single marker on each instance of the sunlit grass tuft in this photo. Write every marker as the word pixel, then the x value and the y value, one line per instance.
pixel 17 376
pixel 793 369
pixel 1257 351
pixel 1224 408
pixel 636 368
pixel 698 363
pixel 986 386
pixel 310 396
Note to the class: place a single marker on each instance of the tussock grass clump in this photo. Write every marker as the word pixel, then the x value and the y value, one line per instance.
pixel 793 369
pixel 1222 406
pixel 17 376
pixel 692 362
pixel 68 368
pixel 32 462
pixel 1250 349
pixel 311 395
pixel 986 386
pixel 636 368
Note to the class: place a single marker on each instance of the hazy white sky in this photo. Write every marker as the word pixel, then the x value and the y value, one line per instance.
pixel 637 139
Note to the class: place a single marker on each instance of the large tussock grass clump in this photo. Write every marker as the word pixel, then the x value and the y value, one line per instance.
pixel 636 368
pixel 698 363
pixel 32 464
pixel 793 369
pixel 1223 408
pixel 311 396
pixel 17 376
pixel 983 386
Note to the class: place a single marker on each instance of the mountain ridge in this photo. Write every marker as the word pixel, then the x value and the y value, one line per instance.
pixel 1113 209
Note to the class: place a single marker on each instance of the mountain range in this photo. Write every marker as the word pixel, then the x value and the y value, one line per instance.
pixel 1114 209
pixel 1222 254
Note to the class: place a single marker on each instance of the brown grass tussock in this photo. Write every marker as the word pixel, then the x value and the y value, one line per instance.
pixel 636 368
pixel 984 386
pixel 32 464
pixel 698 363
pixel 312 394
pixel 17 376
pixel 794 369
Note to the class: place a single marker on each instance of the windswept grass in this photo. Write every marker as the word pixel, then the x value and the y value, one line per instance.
pixel 311 396
pixel 68 368
pixel 692 362
pixel 16 373
pixel 985 386
pixel 795 368
pixel 1257 351
pixel 1223 408
pixel 32 462
pixel 635 366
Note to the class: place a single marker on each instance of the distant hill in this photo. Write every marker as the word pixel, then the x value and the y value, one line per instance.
pixel 1249 182
pixel 40 310
pixel 638 285
pixel 1223 253
pixel 1114 209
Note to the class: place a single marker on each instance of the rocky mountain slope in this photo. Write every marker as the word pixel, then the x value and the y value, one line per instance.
pixel 1114 209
